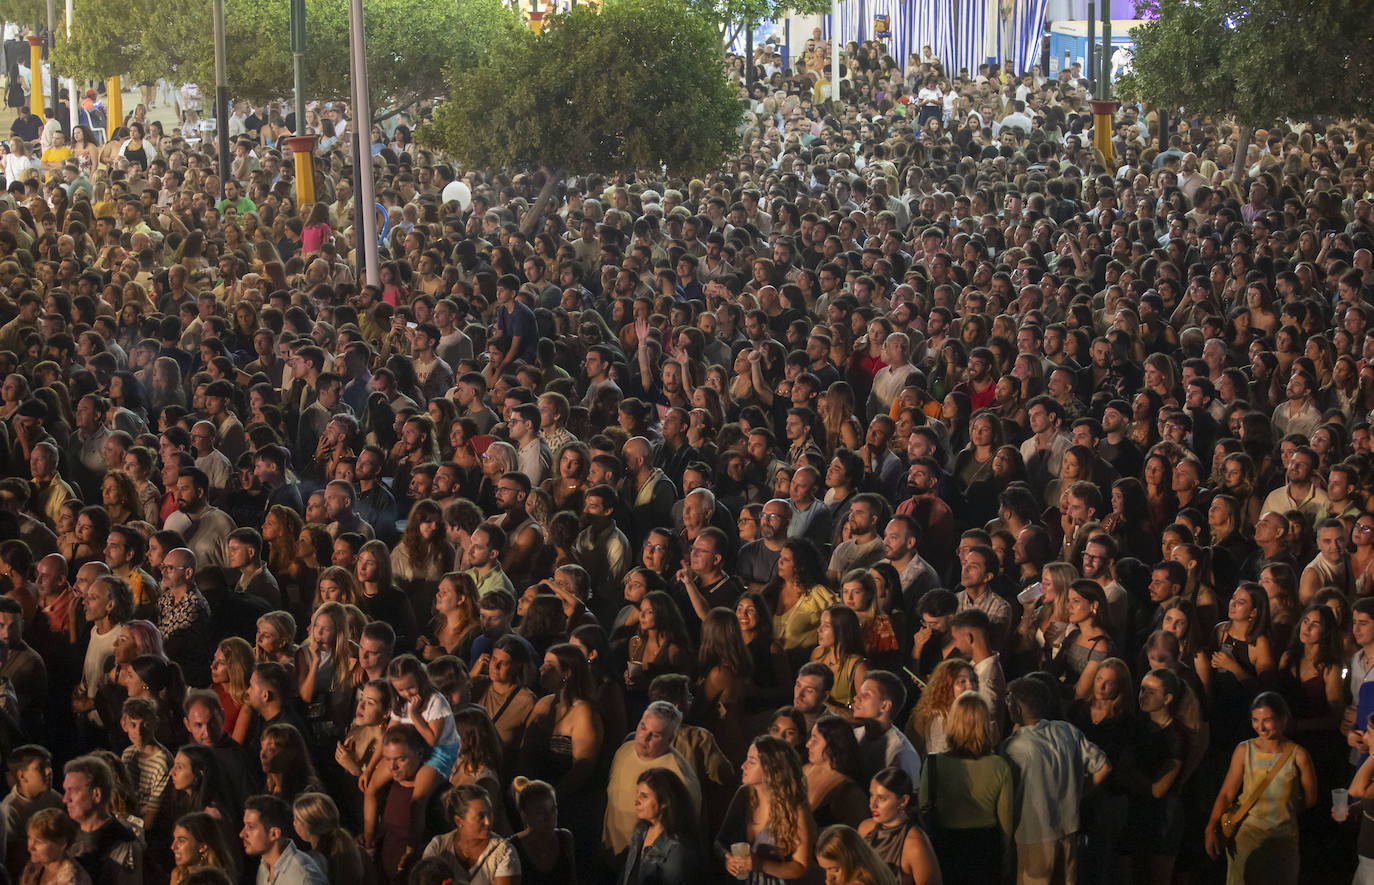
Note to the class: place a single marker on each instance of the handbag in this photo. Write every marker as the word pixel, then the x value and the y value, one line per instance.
pixel 930 813
pixel 1232 818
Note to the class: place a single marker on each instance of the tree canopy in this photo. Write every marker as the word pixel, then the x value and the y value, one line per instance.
pixel 633 84
pixel 410 44
pixel 731 15
pixel 1256 61
pixel 26 12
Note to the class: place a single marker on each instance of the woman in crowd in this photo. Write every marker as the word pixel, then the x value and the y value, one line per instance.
pixel 768 834
pixel 198 842
pixel 950 679
pixel 545 850
pixel 472 851
pixel 968 791
pixel 1087 643
pixel 664 847
pixel 839 646
pixel 502 683
pixel 316 821
pixel 845 857
pixel 772 673
pixel 832 773
pixel 455 623
pixel 1274 780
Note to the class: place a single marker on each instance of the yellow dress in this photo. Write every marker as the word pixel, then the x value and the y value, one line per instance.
pixel 796 627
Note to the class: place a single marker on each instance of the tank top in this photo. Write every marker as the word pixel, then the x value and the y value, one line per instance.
pixel 1239 650
pixel 1276 809
pixel 137 155
pixel 888 842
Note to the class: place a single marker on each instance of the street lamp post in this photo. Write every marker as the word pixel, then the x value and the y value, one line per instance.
pixel 297 59
pixel 36 76
pixel 52 44
pixel 221 96
pixel 366 249
pixel 835 50
pixel 74 110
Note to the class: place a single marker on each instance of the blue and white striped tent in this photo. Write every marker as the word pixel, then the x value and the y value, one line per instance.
pixel 962 33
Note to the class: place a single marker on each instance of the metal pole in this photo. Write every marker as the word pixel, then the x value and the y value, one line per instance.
pixel 221 96
pixel 52 44
pixel 36 75
pixel 298 60
pixel 835 50
pixel 73 110
pixel 359 269
pixel 362 112
pixel 1105 90
pixel 749 57
pixel 1090 70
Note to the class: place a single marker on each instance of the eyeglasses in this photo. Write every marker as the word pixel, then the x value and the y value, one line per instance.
pixel 654 548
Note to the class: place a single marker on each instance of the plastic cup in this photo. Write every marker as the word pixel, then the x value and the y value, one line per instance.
pixel 1031 593
pixel 740 849
pixel 636 669
pixel 1340 803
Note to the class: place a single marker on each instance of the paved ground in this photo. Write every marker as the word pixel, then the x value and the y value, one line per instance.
pixel 167 116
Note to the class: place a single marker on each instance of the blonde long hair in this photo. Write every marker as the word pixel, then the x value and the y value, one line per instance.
pixel 782 775
pixel 859 864
pixel 342 649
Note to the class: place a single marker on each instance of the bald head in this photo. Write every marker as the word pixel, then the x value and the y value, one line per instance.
pixel 52 575
pixel 637 453
pixel 180 557
pixel 88 574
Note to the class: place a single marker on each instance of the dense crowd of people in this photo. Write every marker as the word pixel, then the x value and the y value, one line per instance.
pixel 925 497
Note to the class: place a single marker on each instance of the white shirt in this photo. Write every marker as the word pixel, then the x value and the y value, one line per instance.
pixel 16 165
pixel 498 860
pixel 438 713
pixel 928 96
pixel 100 647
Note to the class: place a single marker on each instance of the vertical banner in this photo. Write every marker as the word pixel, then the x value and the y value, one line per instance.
pixel 1028 26
pixel 962 33
pixel 896 28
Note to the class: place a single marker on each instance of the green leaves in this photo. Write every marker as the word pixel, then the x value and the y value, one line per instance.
pixel 27 12
pixel 410 44
pixel 727 14
pixel 1257 61
pixel 636 84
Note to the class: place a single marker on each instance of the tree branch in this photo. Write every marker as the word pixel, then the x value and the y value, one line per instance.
pixel 399 109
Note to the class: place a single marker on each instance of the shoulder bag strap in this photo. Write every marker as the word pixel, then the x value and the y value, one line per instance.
pixel 1249 799
pixel 504 704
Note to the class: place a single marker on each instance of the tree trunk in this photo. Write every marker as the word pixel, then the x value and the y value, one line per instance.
pixel 394 111
pixel 1242 149
pixel 545 195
